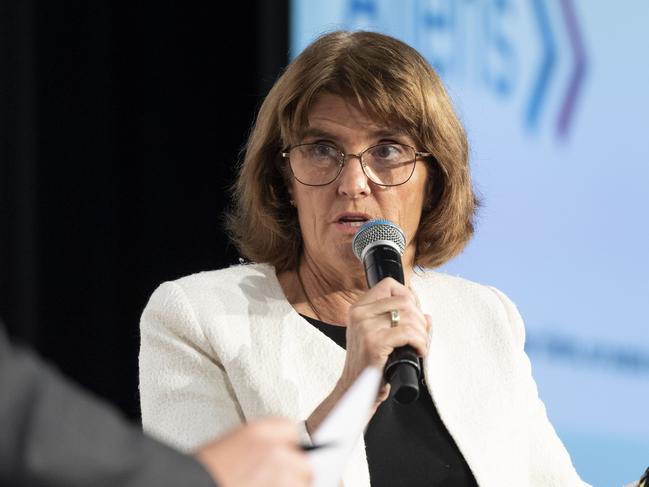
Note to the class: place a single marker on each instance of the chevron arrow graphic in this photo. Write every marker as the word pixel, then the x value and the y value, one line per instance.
pixel 579 71
pixel 547 64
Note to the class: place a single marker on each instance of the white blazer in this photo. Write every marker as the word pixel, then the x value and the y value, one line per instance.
pixel 223 347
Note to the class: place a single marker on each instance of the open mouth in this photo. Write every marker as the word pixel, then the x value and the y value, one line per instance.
pixel 352 220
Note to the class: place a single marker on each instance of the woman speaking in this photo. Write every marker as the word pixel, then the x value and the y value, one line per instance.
pixel 357 128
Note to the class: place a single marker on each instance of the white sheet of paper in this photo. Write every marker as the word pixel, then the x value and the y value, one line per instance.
pixel 342 429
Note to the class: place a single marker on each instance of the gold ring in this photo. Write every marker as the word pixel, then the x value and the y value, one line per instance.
pixel 394 318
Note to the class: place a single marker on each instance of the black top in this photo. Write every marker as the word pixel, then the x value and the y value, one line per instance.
pixel 408 445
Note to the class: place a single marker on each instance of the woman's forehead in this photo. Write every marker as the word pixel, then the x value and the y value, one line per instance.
pixel 327 114
pixel 317 131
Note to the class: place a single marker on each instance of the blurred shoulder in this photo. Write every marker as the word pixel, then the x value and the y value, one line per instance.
pixel 438 287
pixel 221 290
pixel 228 277
pixel 456 296
pixel 431 280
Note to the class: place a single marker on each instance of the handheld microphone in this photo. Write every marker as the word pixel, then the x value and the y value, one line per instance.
pixel 379 244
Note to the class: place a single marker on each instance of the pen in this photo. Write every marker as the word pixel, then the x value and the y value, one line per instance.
pixel 316 447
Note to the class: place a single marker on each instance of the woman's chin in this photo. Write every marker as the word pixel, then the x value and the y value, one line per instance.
pixel 337 255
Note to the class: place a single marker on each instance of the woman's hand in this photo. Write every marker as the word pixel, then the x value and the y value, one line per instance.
pixel 371 339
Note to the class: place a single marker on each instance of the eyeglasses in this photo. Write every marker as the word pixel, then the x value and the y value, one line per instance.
pixel 383 164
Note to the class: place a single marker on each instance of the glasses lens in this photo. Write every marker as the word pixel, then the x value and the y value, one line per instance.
pixel 315 164
pixel 389 164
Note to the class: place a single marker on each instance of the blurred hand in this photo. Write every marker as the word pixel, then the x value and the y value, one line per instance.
pixel 261 454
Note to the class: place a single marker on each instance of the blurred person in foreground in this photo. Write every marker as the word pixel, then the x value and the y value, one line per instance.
pixel 54 434
pixel 358 127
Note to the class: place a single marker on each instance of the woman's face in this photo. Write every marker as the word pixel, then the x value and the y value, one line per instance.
pixel 330 215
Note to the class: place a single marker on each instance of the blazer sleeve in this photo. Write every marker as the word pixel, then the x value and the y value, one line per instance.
pixel 53 433
pixel 550 463
pixel 185 395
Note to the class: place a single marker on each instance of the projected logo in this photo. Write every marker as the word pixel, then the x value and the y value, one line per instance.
pixel 530 50
pixel 566 348
pixel 549 62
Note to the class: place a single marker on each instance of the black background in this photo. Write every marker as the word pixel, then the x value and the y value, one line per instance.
pixel 120 128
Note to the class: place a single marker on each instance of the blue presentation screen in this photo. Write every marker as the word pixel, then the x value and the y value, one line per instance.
pixel 554 95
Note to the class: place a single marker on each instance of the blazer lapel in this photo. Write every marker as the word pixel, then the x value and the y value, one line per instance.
pixel 301 365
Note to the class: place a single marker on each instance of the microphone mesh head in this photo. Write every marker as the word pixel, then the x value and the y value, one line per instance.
pixel 375 230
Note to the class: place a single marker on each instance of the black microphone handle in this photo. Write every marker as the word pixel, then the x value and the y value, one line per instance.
pixel 402 370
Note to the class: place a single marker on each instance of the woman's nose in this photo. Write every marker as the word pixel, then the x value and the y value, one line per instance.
pixel 352 181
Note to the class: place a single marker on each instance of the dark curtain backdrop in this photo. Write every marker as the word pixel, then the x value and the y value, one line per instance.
pixel 120 127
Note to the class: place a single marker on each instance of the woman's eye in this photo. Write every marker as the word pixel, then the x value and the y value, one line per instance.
pixel 387 151
pixel 319 150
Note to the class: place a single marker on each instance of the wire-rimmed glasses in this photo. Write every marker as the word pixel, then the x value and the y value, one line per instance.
pixel 384 164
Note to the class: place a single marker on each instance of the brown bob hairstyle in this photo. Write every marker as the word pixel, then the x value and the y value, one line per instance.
pixel 395 85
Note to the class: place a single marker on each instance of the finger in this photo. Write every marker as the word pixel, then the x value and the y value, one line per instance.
pixel 386 288
pixel 429 323
pixel 366 315
pixel 401 336
pixel 410 317
pixel 384 393
pixel 385 305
